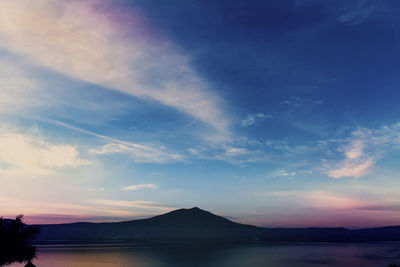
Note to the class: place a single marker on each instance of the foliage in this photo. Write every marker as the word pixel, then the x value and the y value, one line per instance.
pixel 14 241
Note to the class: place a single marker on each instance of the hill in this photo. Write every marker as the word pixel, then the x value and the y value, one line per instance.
pixel 197 225
pixel 179 225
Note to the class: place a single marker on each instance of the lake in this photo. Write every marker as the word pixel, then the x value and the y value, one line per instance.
pixel 273 255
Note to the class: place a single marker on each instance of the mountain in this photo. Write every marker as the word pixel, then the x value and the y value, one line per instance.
pixel 388 233
pixel 179 225
pixel 197 225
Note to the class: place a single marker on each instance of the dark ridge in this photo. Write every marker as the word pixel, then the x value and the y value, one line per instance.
pixel 193 217
pixel 197 225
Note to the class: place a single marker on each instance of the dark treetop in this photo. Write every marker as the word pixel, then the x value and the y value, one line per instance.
pixel 14 241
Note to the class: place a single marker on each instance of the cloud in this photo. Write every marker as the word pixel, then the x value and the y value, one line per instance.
pixel 25 153
pixel 18 90
pixel 138 187
pixel 354 155
pixel 252 119
pixel 326 200
pixel 363 149
pixel 342 206
pixel 322 200
pixel 286 173
pixel 137 152
pixel 96 189
pixel 356 163
pixel 356 150
pixel 141 204
pixel 238 155
pixel 85 41
pixel 358 14
pixel 61 212
pixel 350 168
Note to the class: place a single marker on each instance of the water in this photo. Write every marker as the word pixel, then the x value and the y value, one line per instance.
pixel 272 255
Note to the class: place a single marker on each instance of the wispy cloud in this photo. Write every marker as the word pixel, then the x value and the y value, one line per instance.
pixel 357 163
pixel 355 151
pixel 141 204
pixel 360 13
pixel 28 153
pixel 363 149
pixel 137 152
pixel 331 205
pixel 138 187
pixel 19 90
pixel 252 119
pixel 234 154
pixel 327 200
pixel 352 168
pixel 286 173
pixel 60 212
pixel 353 155
pixel 81 40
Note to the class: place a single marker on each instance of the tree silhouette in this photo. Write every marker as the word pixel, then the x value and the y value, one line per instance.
pixel 14 241
pixel 393 265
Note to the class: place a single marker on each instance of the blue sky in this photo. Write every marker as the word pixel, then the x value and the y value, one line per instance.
pixel 275 113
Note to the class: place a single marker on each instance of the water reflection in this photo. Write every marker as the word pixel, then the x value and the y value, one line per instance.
pixel 277 255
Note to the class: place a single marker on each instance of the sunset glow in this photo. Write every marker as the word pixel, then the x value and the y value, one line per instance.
pixel 284 114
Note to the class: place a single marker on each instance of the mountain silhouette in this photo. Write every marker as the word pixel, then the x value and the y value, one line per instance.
pixel 179 225
pixel 197 225
pixel 193 217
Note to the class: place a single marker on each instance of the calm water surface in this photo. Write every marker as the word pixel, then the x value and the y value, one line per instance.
pixel 273 255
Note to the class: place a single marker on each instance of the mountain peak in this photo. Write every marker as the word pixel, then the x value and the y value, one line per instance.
pixel 193 210
pixel 192 217
pixel 197 209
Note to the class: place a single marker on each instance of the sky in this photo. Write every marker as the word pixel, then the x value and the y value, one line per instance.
pixel 274 113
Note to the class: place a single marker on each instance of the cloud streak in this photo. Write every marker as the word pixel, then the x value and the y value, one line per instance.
pixel 90 210
pixel 326 200
pixel 81 40
pixel 138 187
pixel 140 204
pixel 137 152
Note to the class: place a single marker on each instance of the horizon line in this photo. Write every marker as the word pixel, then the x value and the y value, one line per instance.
pixel 110 219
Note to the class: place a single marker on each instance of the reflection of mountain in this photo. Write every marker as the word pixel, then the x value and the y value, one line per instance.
pixel 196 225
